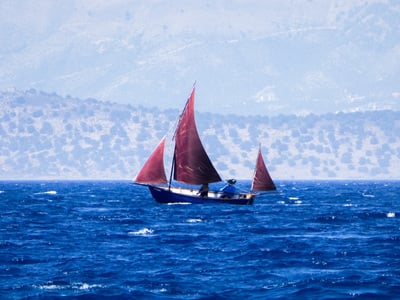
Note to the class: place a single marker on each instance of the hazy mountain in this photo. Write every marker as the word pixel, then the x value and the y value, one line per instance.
pixel 48 136
pixel 248 57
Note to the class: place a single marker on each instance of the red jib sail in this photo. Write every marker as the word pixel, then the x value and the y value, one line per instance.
pixel 191 162
pixel 262 181
pixel 153 170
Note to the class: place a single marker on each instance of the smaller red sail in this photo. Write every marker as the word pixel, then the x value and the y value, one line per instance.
pixel 262 181
pixel 153 170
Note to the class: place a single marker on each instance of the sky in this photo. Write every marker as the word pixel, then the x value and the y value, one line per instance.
pixel 246 57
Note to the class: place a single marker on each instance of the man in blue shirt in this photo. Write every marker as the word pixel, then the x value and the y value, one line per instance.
pixel 229 190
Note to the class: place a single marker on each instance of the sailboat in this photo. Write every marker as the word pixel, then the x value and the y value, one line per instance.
pixel 191 166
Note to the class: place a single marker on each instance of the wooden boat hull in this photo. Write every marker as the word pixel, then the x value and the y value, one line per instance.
pixel 182 195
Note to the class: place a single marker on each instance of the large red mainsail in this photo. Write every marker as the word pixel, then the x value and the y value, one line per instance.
pixel 262 181
pixel 191 162
pixel 153 170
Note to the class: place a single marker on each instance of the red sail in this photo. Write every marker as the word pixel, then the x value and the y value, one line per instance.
pixel 191 162
pixel 153 170
pixel 262 181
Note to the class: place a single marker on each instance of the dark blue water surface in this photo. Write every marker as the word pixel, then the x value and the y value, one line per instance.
pixel 100 240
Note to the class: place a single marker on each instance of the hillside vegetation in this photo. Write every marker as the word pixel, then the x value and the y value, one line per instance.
pixel 47 136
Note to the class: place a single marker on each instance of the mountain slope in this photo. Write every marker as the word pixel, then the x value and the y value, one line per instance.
pixel 48 136
pixel 275 57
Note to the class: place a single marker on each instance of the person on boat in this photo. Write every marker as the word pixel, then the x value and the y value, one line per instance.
pixel 203 190
pixel 229 190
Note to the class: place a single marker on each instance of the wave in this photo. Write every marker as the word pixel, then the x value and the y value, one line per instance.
pixel 47 193
pixel 391 214
pixel 368 195
pixel 142 232
pixel 295 200
pixel 194 220
pixel 72 286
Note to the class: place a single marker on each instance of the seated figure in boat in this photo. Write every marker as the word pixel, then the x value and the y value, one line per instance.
pixel 203 190
pixel 229 190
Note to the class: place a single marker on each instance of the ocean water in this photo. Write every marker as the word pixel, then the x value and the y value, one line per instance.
pixel 111 240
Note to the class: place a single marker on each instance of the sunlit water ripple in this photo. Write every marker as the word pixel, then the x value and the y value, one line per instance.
pixel 318 240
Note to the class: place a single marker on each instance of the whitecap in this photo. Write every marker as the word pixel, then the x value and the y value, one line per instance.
pixel 86 286
pixel 142 232
pixel 194 220
pixel 49 287
pixel 294 198
pixel 74 286
pixel 47 193
pixel 161 290
pixel 391 214
pixel 179 203
pixel 368 196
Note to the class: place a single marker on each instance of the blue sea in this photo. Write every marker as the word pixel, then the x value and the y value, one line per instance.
pixel 111 240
